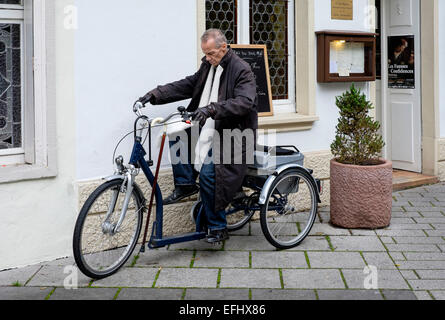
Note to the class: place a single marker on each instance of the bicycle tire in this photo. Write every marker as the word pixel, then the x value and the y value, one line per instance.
pixel 282 226
pixel 241 218
pixel 92 262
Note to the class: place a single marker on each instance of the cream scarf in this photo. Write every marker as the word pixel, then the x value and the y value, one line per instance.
pixel 205 142
pixel 209 95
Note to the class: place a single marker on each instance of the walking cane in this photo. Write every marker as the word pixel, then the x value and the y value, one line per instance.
pixel 155 183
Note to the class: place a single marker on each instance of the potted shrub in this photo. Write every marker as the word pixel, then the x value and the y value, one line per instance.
pixel 361 181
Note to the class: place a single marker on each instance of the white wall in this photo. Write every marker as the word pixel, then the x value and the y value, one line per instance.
pixel 37 217
pixel 122 52
pixel 323 17
pixel 442 66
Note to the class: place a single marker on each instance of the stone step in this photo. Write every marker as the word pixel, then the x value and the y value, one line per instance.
pixel 403 180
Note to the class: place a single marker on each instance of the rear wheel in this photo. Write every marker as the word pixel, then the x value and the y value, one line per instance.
pixel 242 212
pixel 99 249
pixel 290 210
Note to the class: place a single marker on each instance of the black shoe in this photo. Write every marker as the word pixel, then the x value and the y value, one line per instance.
pixel 180 193
pixel 217 236
pixel 239 198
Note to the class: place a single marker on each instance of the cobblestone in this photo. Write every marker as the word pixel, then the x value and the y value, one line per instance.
pixel 336 260
pixel 222 259
pixel 431 274
pixel 313 279
pixel 349 295
pixel 12 293
pixel 438 294
pixel 279 260
pixel 287 294
pixel 242 278
pixel 386 279
pixel 149 294
pixel 187 278
pixel 381 260
pixel 427 284
pixel 356 243
pixel 413 247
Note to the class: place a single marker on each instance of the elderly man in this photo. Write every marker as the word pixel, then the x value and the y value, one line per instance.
pixel 224 97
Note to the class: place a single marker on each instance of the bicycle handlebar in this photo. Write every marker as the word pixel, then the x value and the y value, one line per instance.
pixel 137 108
pixel 182 111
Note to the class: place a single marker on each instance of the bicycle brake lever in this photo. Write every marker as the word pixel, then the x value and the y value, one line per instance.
pixel 186 116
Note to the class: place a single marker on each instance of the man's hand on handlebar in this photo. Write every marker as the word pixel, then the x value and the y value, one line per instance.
pixel 149 97
pixel 137 108
pixel 202 114
pixel 140 104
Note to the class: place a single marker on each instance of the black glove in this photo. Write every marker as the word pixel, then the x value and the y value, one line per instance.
pixel 202 114
pixel 149 97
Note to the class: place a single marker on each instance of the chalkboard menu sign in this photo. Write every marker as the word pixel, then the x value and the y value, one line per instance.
pixel 256 57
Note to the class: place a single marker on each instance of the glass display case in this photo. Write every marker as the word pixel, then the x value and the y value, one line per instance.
pixel 346 56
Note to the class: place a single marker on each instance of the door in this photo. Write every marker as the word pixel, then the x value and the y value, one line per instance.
pixel 401 83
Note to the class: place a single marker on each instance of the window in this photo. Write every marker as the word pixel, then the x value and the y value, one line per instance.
pixel 15 81
pixel 269 25
pixel 223 15
pixel 27 88
pixel 269 22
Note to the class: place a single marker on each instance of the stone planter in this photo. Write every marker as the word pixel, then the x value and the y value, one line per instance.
pixel 361 196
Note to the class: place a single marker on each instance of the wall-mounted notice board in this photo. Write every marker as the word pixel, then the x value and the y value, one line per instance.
pixel 345 56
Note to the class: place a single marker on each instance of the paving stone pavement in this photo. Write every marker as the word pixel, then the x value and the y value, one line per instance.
pixel 405 261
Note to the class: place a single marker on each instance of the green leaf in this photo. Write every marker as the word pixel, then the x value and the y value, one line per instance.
pixel 357 138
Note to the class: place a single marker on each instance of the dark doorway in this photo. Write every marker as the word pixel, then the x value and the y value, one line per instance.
pixel 379 39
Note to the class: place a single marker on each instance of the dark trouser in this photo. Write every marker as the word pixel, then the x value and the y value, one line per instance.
pixel 185 174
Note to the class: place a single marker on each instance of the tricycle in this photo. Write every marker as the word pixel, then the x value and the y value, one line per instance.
pixel 278 190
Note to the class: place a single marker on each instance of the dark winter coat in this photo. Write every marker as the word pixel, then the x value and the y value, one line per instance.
pixel 236 109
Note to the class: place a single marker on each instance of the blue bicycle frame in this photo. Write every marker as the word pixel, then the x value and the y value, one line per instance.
pixel 157 240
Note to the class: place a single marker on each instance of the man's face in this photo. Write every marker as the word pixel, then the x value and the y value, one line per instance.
pixel 213 54
pixel 402 46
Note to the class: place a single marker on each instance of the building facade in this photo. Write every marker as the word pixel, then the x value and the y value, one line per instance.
pixel 71 70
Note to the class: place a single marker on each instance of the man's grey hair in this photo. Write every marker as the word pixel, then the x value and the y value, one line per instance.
pixel 216 34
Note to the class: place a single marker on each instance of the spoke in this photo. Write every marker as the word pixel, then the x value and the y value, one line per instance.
pixel 290 219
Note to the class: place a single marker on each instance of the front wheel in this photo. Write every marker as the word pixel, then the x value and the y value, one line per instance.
pixel 100 248
pixel 290 210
